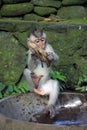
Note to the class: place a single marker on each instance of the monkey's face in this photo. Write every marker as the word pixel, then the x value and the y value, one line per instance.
pixel 39 42
pixel 37 37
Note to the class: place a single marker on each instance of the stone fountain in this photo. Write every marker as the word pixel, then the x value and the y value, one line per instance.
pixel 25 111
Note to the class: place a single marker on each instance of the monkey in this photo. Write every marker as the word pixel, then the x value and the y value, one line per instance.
pixel 40 58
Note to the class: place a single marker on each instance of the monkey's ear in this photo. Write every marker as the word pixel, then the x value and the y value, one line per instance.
pixel 34 29
pixel 37 32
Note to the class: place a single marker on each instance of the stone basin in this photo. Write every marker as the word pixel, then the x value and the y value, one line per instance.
pixel 26 111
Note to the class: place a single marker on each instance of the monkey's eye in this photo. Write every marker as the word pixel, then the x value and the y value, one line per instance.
pixel 42 40
pixel 37 41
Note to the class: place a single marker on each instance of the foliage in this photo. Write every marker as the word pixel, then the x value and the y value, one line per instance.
pixel 13 89
pixel 23 88
pixel 2 86
pixel 81 86
pixel 57 75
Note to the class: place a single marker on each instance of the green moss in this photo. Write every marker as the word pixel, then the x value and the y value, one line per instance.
pixel 44 10
pixel 33 17
pixel 6 26
pixel 22 37
pixel 16 9
pixel 13 1
pixel 70 44
pixel 74 21
pixel 21 26
pixel 47 3
pixel 73 2
pixel 72 12
pixel 11 18
pixel 12 57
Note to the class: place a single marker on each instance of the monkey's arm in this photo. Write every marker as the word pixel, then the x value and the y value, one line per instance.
pixel 51 55
pixel 40 53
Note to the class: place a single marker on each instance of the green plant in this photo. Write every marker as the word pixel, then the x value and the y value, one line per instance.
pixel 23 88
pixel 13 89
pixel 58 76
pixel 80 85
pixel 2 86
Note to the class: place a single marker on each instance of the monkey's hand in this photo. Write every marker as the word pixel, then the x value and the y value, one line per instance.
pixel 50 56
pixel 44 56
pixel 33 48
pixel 41 54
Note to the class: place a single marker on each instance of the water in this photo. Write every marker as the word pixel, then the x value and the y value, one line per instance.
pixel 68 122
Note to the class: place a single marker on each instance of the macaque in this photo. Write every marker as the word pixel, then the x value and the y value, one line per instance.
pixel 40 58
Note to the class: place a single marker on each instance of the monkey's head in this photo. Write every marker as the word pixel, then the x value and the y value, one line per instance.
pixel 37 37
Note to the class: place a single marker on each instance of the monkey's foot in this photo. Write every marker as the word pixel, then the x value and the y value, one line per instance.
pixel 52 113
pixel 39 91
pixel 50 110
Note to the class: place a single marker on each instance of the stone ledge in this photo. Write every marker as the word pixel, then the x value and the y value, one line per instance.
pixel 21 25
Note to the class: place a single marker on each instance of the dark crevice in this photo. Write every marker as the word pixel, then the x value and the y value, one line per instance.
pixel 20 78
pixel 20 42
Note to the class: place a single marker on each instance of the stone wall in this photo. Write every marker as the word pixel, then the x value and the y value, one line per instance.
pixel 69 42
pixel 38 10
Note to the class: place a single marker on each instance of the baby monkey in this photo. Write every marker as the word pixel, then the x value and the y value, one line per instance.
pixel 40 58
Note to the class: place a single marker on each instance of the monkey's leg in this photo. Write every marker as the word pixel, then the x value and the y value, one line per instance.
pixel 27 74
pixel 49 108
pixel 36 79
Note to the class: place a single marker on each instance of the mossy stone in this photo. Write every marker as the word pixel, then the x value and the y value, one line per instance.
pixel 69 42
pixel 73 2
pixel 47 3
pixel 72 12
pixel 43 11
pixel 12 57
pixel 22 38
pixel 14 1
pixel 23 26
pixel 16 9
pixel 7 26
pixel 12 18
pixel 70 46
pixel 33 17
